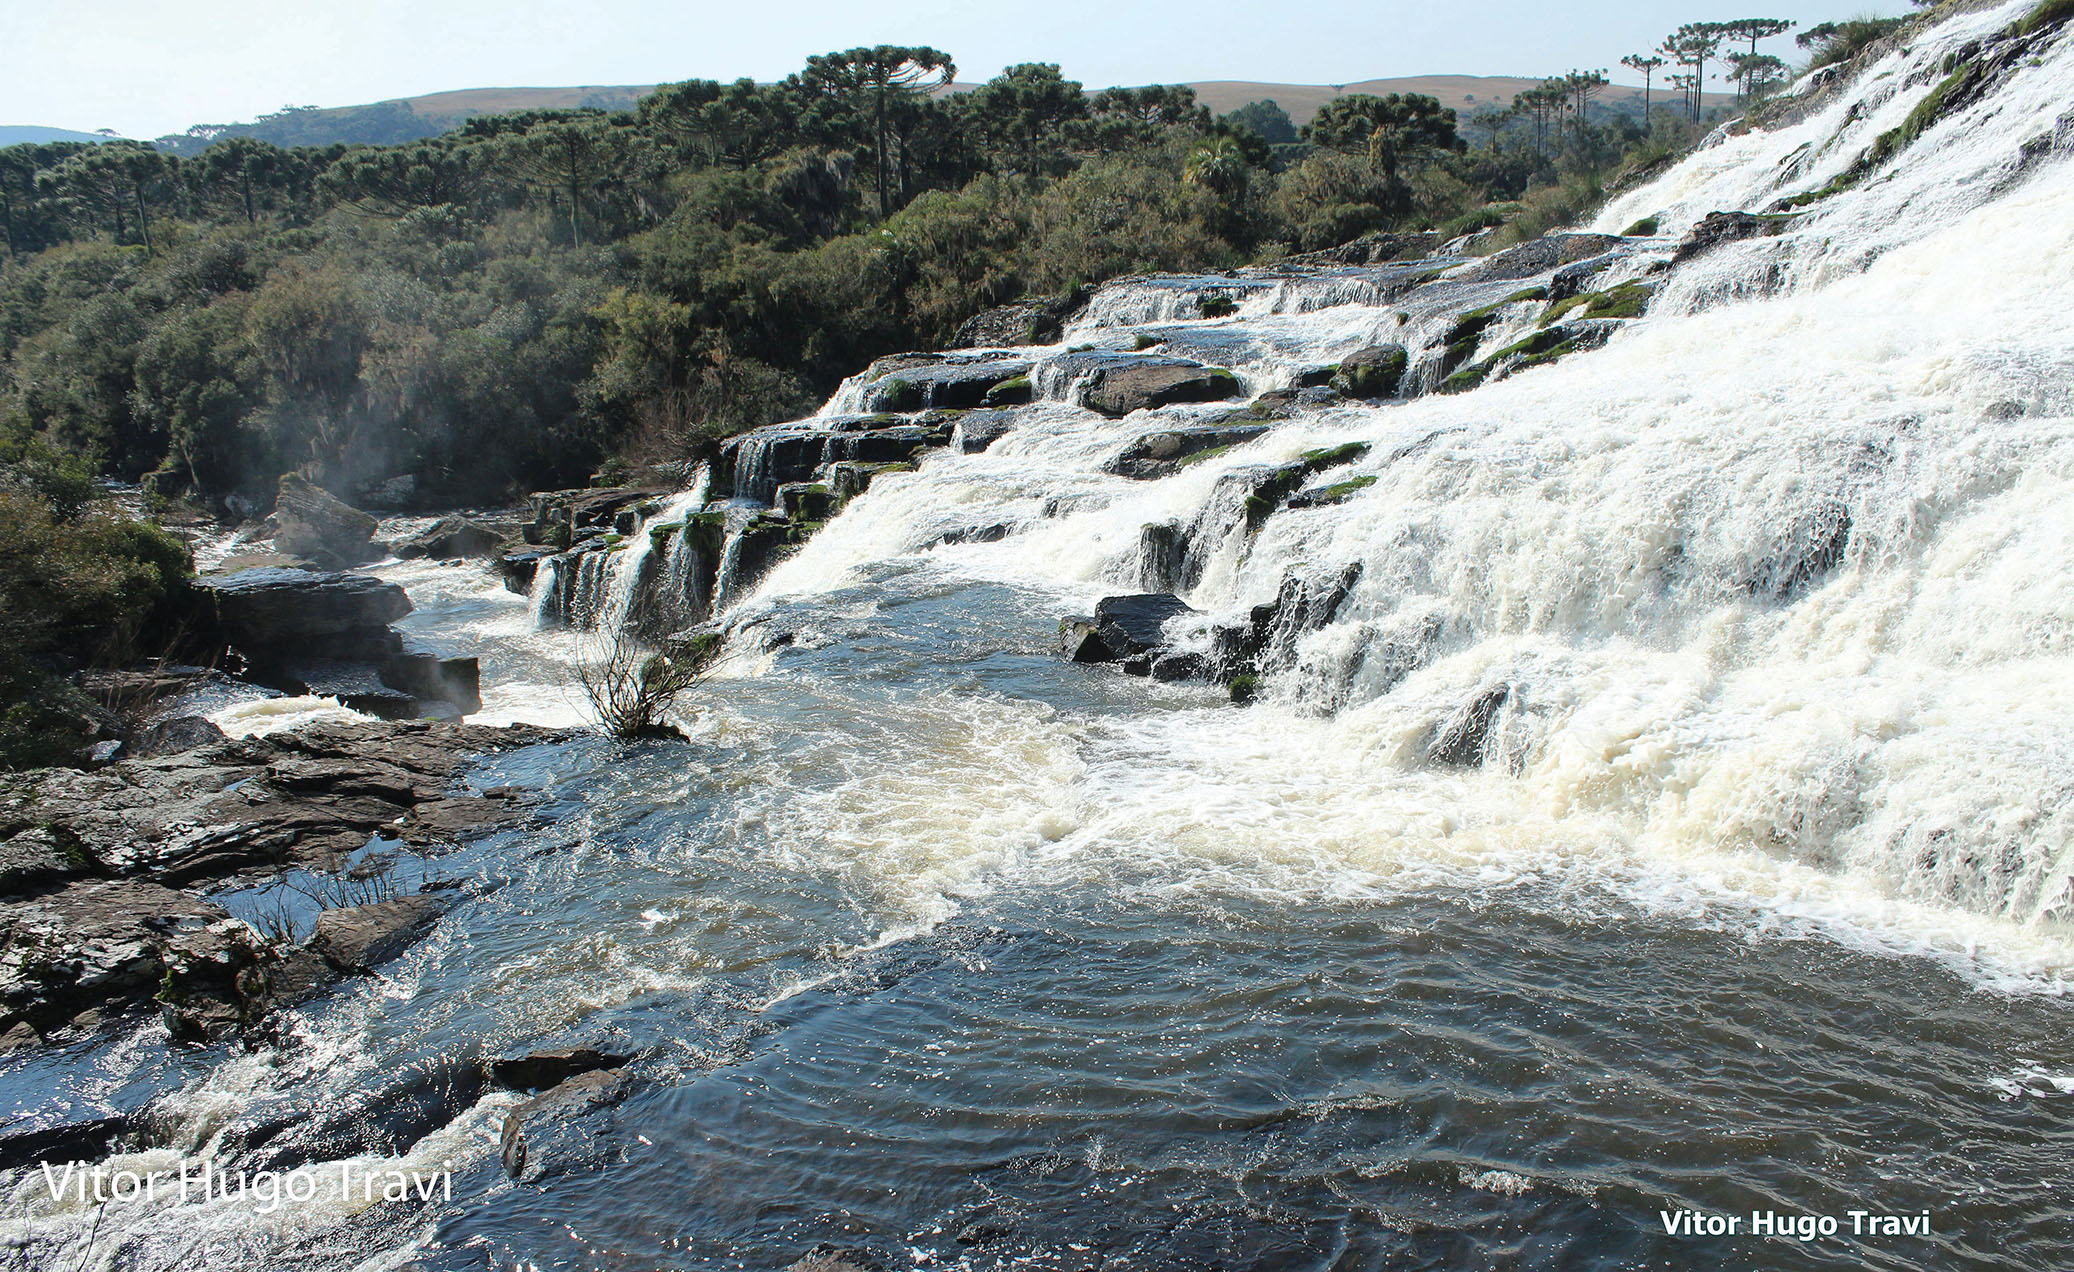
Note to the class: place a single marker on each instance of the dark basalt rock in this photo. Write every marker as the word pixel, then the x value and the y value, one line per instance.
pixel 978 430
pixel 89 1140
pixel 544 1069
pixel 1124 384
pixel 1809 548
pixel 919 381
pixel 520 567
pixel 1023 323
pixel 1727 227
pixel 39 856
pixel 1372 249
pixel 1542 256
pixel 1158 455
pixel 1080 640
pixel 358 938
pixel 1131 626
pixel 1464 742
pixel 1373 372
pixel 452 539
pixel 434 679
pixel 105 921
pixel 304 632
pixel 172 736
pixel 93 945
pixel 563 1128
pixel 265 608
pixel 1301 606
pixel 311 522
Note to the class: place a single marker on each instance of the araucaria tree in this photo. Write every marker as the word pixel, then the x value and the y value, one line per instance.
pixel 876 87
pixel 1645 66
pixel 1389 130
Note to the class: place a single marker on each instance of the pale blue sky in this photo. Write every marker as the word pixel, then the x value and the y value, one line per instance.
pixel 148 67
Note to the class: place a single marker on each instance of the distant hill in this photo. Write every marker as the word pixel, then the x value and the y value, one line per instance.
pixel 409 118
pixel 34 135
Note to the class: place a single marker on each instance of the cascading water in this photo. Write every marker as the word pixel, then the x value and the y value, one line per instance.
pixel 1658 749
pixel 1759 578
pixel 612 581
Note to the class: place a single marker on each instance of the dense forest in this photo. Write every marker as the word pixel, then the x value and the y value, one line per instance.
pixel 512 304
pixel 536 298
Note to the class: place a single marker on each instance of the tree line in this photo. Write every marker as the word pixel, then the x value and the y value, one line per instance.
pixel 506 305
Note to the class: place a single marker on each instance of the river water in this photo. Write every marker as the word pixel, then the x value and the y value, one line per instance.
pixel 949 953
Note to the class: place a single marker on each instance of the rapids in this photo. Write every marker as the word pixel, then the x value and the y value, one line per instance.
pixel 951 953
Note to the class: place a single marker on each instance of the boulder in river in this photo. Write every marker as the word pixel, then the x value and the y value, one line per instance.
pixel 276 608
pixel 356 938
pixel 312 523
pixel 543 1069
pixel 1121 387
pixel 452 539
pixel 1373 372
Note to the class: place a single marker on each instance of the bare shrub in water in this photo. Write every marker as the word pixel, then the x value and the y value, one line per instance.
pixel 631 686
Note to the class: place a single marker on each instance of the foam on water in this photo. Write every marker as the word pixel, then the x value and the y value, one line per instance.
pixel 1771 580
pixel 276 715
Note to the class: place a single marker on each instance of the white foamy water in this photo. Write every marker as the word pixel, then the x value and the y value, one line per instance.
pixel 1772 581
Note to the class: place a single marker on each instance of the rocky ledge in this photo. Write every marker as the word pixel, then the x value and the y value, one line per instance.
pixel 102 872
pixel 301 631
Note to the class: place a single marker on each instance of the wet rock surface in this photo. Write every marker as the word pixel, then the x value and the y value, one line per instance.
pixel 1119 388
pixel 1162 454
pixel 453 539
pixel 544 1069
pixel 308 632
pixel 102 869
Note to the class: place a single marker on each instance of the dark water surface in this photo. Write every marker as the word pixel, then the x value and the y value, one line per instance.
pixel 1068 1050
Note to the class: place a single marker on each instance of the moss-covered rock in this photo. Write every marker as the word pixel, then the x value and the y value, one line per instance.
pixel 1374 372
pixel 1014 391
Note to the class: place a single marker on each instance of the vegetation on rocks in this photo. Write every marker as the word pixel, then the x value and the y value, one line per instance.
pixel 82 586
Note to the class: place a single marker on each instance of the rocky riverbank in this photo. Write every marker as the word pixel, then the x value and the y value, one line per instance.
pixel 105 873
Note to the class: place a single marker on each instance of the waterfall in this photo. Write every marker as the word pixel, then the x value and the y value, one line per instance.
pixel 611 580
pixel 1774 571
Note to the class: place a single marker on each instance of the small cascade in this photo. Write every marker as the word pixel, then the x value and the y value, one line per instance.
pixel 612 578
